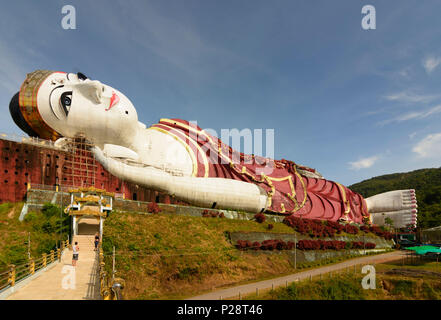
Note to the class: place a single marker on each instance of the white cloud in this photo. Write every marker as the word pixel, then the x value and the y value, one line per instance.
pixel 429 147
pixel 431 63
pixel 404 73
pixel 363 163
pixel 409 97
pixel 413 115
pixel 412 135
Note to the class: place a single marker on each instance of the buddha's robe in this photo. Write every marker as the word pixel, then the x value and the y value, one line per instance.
pixel 290 189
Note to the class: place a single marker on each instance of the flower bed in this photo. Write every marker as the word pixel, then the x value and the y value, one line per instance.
pixel 381 233
pixel 315 228
pixel 212 214
pixel 325 228
pixel 265 245
pixel 303 245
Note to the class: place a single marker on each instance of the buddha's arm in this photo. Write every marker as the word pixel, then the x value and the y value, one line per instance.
pixel 204 192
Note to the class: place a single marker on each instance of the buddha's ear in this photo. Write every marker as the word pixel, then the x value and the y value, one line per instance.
pixel 92 89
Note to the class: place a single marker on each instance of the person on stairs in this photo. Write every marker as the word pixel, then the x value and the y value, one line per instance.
pixel 97 241
pixel 75 249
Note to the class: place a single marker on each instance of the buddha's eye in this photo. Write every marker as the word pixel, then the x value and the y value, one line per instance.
pixel 66 101
pixel 81 76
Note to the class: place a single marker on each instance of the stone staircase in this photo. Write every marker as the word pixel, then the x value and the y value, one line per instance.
pixel 49 285
pixel 85 242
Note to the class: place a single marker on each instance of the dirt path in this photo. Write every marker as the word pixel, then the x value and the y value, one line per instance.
pixel 276 282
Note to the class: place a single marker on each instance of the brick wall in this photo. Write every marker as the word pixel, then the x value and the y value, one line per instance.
pixel 22 163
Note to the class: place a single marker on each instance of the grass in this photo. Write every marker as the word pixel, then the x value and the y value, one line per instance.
pixel 347 286
pixel 174 256
pixel 171 256
pixel 43 228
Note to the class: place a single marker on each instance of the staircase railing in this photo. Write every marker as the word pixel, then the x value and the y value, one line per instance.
pixel 15 274
pixel 110 287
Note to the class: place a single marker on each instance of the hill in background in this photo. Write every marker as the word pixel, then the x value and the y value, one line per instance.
pixel 427 184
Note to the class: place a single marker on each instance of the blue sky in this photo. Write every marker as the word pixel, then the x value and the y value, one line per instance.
pixel 351 103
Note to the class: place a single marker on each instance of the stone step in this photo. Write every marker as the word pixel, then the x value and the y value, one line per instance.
pixel 85 241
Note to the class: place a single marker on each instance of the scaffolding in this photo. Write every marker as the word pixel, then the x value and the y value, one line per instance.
pixel 79 166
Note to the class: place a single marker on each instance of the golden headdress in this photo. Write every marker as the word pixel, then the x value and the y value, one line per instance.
pixel 28 108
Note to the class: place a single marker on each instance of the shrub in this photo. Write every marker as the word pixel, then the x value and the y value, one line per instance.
pixel 357 245
pixel 213 214
pixel 314 228
pixel 265 245
pixel 31 217
pixel 381 233
pixel 260 217
pixel 256 245
pixel 205 213
pixel 241 244
pixel 153 207
pixel 275 244
pixel 270 226
pixel 319 229
pixel 50 210
pixel 370 245
pixel 350 229
pixel 323 245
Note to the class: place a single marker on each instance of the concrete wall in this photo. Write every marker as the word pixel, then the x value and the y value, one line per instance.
pixel 141 207
pixel 36 199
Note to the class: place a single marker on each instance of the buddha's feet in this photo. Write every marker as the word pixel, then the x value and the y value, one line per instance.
pixel 400 206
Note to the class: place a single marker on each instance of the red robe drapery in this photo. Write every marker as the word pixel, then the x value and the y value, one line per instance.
pixel 289 192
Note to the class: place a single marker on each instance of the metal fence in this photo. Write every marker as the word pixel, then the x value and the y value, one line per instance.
pixel 28 140
pixel 110 287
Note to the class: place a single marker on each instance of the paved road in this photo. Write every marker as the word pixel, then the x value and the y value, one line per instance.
pixel 48 285
pixel 276 282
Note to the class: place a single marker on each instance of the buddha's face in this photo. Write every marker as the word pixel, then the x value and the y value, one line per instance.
pixel 71 105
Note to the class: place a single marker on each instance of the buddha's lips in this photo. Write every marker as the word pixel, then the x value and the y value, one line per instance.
pixel 113 100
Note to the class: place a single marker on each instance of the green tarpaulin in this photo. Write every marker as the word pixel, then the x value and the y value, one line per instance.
pixel 424 249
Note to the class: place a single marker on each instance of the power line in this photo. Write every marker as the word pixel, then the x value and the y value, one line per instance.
pixel 179 254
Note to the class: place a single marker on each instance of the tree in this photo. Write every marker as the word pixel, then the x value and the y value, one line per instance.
pixel 388 221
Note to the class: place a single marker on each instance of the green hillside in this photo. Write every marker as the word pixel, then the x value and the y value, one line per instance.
pixel 44 227
pixel 166 256
pixel 427 184
pixel 417 280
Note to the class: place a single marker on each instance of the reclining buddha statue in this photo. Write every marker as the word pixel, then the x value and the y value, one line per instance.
pixel 181 159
